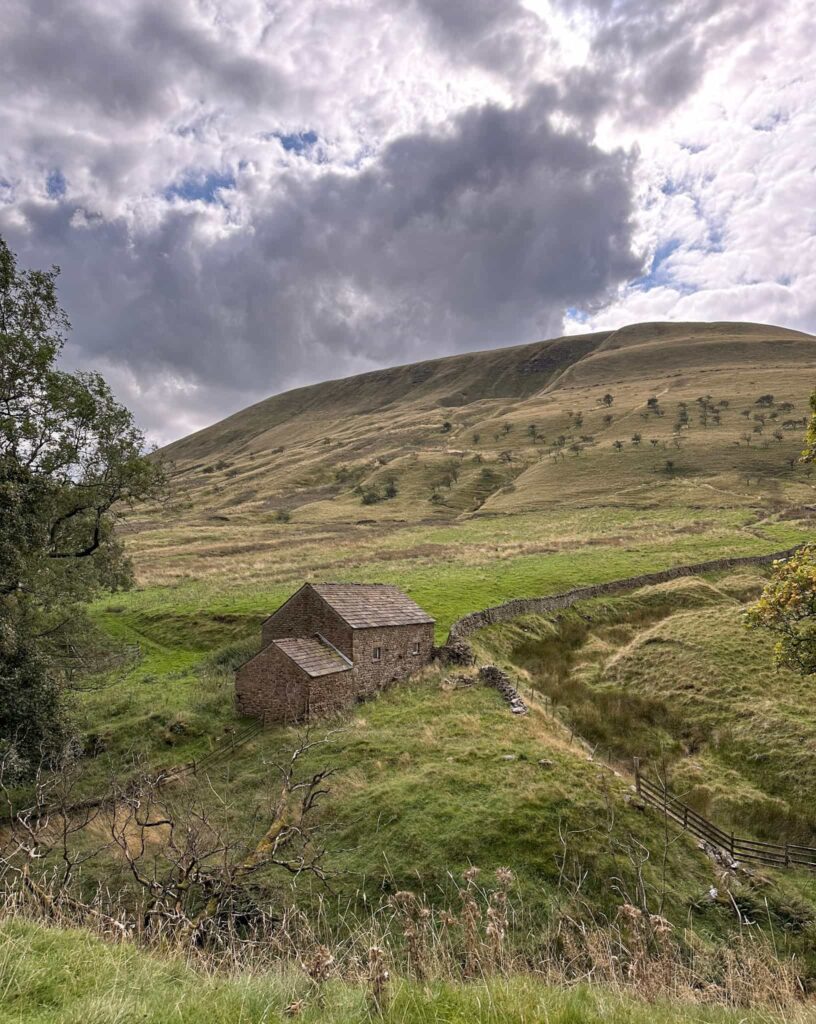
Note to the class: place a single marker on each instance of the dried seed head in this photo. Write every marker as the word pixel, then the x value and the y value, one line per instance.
pixel 504 876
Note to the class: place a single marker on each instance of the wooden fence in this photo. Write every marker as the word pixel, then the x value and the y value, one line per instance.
pixel 780 855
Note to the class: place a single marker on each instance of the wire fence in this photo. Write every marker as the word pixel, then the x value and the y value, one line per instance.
pixel 781 855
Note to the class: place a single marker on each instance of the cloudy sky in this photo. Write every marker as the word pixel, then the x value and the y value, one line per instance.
pixel 249 195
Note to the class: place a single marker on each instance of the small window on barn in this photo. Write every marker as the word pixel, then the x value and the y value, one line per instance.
pixel 376 654
pixel 415 647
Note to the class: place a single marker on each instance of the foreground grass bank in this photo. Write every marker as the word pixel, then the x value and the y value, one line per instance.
pixel 66 976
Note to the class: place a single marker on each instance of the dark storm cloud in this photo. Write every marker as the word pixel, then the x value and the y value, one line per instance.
pixel 124 61
pixel 476 236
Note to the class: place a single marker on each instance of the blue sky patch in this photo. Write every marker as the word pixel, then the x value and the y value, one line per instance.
pixel 658 274
pixel 297 142
pixel 55 184
pixel 202 185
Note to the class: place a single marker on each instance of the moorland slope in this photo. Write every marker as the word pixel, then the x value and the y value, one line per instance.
pixel 651 415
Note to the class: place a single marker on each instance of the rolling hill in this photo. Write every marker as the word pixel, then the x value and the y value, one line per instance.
pixel 697 415
pixel 508 415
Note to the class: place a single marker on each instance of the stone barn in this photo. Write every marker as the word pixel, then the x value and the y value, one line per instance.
pixel 331 645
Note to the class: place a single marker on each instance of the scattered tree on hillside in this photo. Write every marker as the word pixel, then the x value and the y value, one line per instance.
pixel 283 516
pixel 608 399
pixel 532 430
pixel 71 459
pixel 608 418
pixel 476 438
pixel 765 400
pixel 668 467
pixel 787 608
pixel 636 439
pixel 578 419
pixel 391 488
pixel 654 442
pixel 617 445
pixel 446 427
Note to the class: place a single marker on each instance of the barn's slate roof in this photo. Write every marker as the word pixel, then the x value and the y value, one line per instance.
pixel 371 604
pixel 312 655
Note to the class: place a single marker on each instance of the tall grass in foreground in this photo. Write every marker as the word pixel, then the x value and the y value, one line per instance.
pixel 66 960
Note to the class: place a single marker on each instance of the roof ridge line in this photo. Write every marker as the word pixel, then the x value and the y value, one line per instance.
pixel 336 650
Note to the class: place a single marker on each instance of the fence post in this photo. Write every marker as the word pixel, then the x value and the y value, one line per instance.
pixel 731 849
pixel 787 855
pixel 685 816
pixel 636 762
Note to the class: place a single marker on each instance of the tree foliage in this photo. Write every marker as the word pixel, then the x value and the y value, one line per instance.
pixel 809 454
pixel 787 608
pixel 71 460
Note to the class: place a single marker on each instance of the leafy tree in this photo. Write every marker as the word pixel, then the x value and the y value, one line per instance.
pixel 608 399
pixel 787 608
pixel 71 460
pixel 446 427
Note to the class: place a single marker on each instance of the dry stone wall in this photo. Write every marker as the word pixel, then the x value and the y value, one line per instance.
pixel 468 624
pixel 270 686
pixel 304 615
pixel 396 660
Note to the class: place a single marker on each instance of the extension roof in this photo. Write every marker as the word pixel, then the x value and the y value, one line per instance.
pixel 363 605
pixel 315 657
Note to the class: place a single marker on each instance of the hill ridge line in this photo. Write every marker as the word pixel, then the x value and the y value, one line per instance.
pixel 509 610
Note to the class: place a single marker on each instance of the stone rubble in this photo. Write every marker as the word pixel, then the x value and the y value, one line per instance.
pixel 490 675
pixel 456 652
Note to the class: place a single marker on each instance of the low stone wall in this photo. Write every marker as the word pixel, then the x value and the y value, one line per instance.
pixel 468 624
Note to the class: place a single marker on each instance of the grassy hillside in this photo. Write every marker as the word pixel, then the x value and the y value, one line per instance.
pixel 522 429
pixel 672 675
pixel 469 481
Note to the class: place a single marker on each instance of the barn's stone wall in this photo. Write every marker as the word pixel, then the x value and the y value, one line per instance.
pixel 396 661
pixel 544 605
pixel 271 686
pixel 329 695
pixel 305 614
